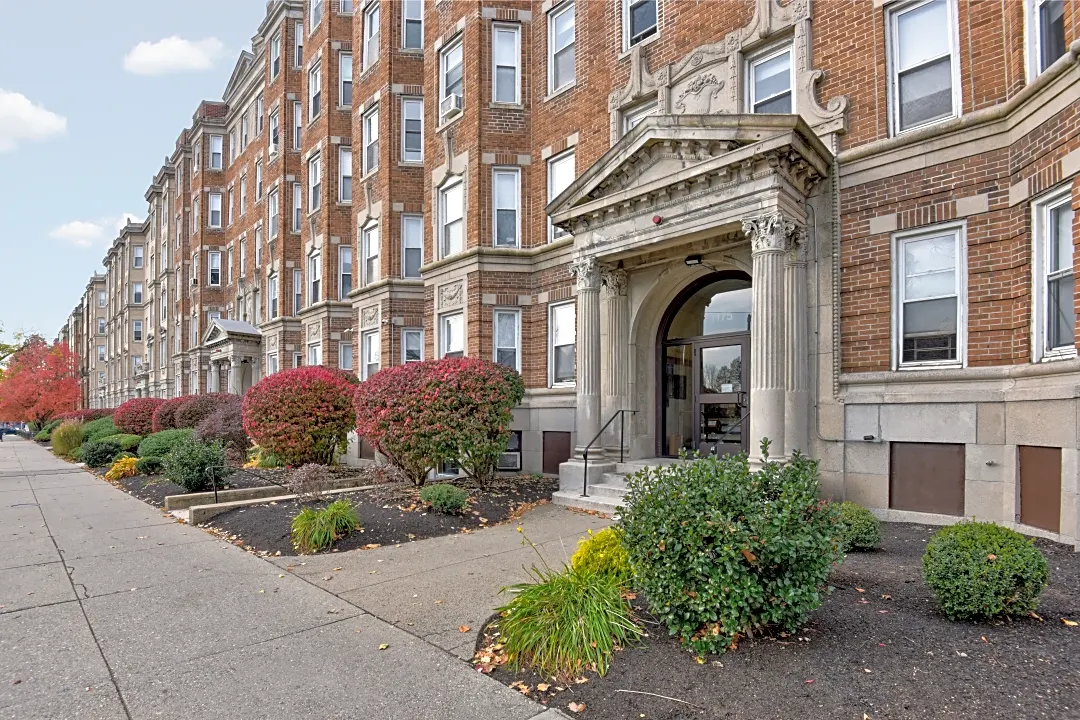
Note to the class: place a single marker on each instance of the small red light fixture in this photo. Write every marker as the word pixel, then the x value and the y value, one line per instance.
pixel 656 219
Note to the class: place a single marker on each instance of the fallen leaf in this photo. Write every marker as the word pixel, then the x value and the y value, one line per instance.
pixel 858 589
pixel 886 597
pixel 1035 615
pixel 581 681
pixel 576 707
pixel 991 557
pixel 807 682
pixel 750 557
pixel 1069 623
pixel 337 569
pixel 463 628
pixel 384 646
pixel 867 670
pixel 439 602
pixel 281 576
pixel 699 660
pixel 371 546
pixel 542 687
pixel 16 682
pixel 983 637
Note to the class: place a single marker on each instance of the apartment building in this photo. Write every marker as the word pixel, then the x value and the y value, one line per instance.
pixel 90 346
pixel 125 322
pixel 847 226
pixel 157 379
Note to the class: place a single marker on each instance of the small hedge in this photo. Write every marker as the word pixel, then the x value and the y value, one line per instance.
pixel 99 429
pixel 160 443
pixel 85 415
pixel 43 436
pixel 445 498
pixel 135 417
pixel 67 438
pixel 860 530
pixel 164 417
pixel 196 466
pixel 603 552
pixel 148 465
pixel 128 443
pixel 980 571
pixel 196 407
pixel 100 453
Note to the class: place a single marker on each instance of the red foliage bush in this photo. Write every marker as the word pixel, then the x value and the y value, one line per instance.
pixel 85 415
pixel 225 424
pixel 196 408
pixel 136 416
pixel 302 415
pixel 422 414
pixel 165 414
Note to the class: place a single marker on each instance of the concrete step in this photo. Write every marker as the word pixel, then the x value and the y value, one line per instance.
pixel 573 499
pixel 607 490
pixel 614 479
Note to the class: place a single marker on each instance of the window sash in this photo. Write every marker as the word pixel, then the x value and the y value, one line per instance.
pixel 298 45
pixel 412 244
pixel 214 220
pixel 314 184
pixel 314 279
pixel 506 64
pixel 370 253
pixel 315 91
pixel 451 76
pixel 272 212
pixel 275 55
pixel 214 265
pixel 216 151
pixel 345 84
pixel 412 345
pixel 506 198
pixel 371 140
pixel 562 344
pixel 369 347
pixel 562 43
pixel 345 272
pixel 273 137
pixel 298 292
pixel 1055 306
pixel 561 174
pixel 932 72
pixel 345 175
pixel 507 338
pixel 929 317
pixel 345 356
pixel 452 335
pixel 412 135
pixel 451 203
pixel 639 22
pixel 371 35
pixel 298 124
pixel 298 207
pixel 273 283
pixel 412 28
pixel 773 99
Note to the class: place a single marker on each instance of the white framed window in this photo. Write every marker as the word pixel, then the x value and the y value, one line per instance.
pixel 136 332
pixel 101 353
pixel 275 132
pixel 214 207
pixel 632 117
pixel 412 25
pixel 451 78
pixel 561 174
pixel 275 55
pixel 196 155
pixel 272 282
pixel 924 69
pixel 216 152
pixel 345 358
pixel 243 133
pixel 137 293
pixel 346 7
pixel 196 216
pixel 506 192
pixel 298 45
pixel 101 326
pixel 371 140
pixel 562 343
pixel 451 219
pixel 230 191
pixel 639 21
pixel 315 91
pixel 345 79
pixel 258 180
pixel 371 34
pixel 101 298
pixel 507 332
pixel 452 335
pixel 298 291
pixel 314 183
pixel 930 307
pixel 316 12
pixel 314 278
pixel 412 245
pixel 297 206
pixel 562 41
pixel 137 256
pixel 271 363
pixel 345 175
pixel 770 78
pixel 243 195
pixel 345 272
pixel 412 132
pixel 369 241
pixel 314 354
pixel 506 63
pixel 258 247
pixel 412 345
pixel 297 360
pixel 1045 33
pixel 232 146
pixel 369 346
pixel 272 213
pixel 214 264
pixel 260 114
pixel 298 124
pixel 1054 315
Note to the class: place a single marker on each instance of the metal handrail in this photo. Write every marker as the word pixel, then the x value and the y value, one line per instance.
pixel 585 452
pixel 732 428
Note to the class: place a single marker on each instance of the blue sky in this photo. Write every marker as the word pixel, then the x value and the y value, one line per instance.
pixel 92 98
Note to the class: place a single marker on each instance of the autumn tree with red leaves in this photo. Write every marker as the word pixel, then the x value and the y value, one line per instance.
pixel 39 382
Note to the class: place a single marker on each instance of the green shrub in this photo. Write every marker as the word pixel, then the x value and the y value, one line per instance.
pixel 314 530
pixel 603 552
pixel 99 429
pixel 76 456
pixel 67 438
pixel 860 530
pixel 196 466
pixel 52 425
pixel 42 436
pixel 722 552
pixel 127 442
pixel 566 622
pixel 981 570
pixel 445 498
pixel 160 443
pixel 148 466
pixel 100 453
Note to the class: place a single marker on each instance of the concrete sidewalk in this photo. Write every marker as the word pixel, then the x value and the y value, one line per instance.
pixel 108 609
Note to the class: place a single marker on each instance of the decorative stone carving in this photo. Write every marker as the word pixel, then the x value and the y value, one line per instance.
pixel 770 232
pixel 586 270
pixel 272 343
pixel 314 331
pixel 797 247
pixel 614 281
pixel 369 316
pixel 701 96
pixel 450 294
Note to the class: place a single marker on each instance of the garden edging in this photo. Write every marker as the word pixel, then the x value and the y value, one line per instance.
pixel 198 514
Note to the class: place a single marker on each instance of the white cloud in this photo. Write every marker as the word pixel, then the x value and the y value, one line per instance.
pixel 22 120
pixel 172 55
pixel 88 233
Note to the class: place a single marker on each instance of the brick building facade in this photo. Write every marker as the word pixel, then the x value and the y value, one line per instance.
pixel 843 225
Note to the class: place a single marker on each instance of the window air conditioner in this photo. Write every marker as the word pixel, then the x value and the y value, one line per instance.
pixel 450 106
pixel 510 461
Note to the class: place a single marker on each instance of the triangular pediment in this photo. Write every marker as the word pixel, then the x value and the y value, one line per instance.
pixel 230 330
pixel 243 66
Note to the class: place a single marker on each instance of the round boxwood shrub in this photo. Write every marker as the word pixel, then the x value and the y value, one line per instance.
pixel 99 429
pixel 302 415
pixel 100 453
pixel 445 498
pixel 128 442
pixel 860 530
pixel 196 407
pixel 148 465
pixel 195 466
pixel 135 417
pixel 164 417
pixel 721 552
pixel 160 443
pixel 603 552
pixel 980 570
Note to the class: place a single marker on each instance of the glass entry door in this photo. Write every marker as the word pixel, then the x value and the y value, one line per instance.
pixel 722 389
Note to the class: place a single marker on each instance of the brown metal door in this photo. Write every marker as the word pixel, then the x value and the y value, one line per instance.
pixel 1040 487
pixel 927 477
pixel 556 450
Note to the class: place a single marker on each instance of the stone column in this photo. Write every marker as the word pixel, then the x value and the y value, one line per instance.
pixel 617 362
pixel 797 358
pixel 236 375
pixel 587 272
pixel 769 241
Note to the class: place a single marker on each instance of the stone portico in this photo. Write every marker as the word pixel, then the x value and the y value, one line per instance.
pixel 234 348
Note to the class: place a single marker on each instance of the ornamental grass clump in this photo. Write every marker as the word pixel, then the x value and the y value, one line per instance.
pixel 314 530
pixel 721 552
pixel 979 571
pixel 860 530
pixel 445 498
pixel 603 552
pixel 67 438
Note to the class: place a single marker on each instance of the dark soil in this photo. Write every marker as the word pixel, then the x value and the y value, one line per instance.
pixel 876 649
pixel 388 515
pixel 154 489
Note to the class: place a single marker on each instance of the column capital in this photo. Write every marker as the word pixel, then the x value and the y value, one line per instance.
pixel 797 247
pixel 770 232
pixel 586 270
pixel 613 281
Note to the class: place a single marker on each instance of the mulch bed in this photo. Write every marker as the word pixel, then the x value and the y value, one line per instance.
pixel 876 649
pixel 154 489
pixel 389 515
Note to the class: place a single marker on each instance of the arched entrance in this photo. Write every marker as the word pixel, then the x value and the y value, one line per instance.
pixel 704 367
